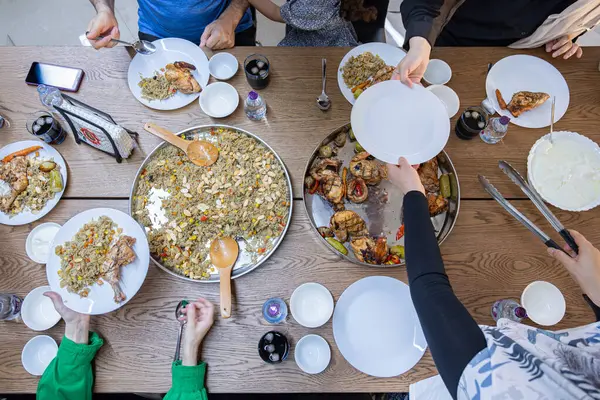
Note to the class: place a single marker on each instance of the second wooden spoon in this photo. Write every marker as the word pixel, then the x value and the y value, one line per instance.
pixel 223 254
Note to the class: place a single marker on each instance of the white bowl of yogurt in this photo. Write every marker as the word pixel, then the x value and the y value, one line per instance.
pixel 566 171
pixel 39 242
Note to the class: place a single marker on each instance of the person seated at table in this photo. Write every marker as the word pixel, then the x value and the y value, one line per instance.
pixel 510 360
pixel 216 24
pixel 554 24
pixel 317 23
pixel 69 376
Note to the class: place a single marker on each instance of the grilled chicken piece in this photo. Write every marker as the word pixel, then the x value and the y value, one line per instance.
pixel 428 172
pixel 369 250
pixel 326 172
pixel 346 224
pixel 371 171
pixel 14 173
pixel 522 101
pixel 356 190
pixel 180 76
pixel 384 74
pixel 119 255
pixel 437 204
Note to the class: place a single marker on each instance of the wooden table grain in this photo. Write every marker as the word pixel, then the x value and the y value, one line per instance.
pixel 488 256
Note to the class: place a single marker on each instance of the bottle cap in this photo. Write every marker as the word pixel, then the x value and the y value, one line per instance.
pixel 274 310
pixel 504 120
pixel 253 95
pixel 520 311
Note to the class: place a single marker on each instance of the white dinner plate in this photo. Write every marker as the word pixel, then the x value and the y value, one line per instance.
pixel 46 152
pixel 168 51
pixel 376 327
pixel 391 120
pixel 521 72
pixel 100 298
pixel 388 53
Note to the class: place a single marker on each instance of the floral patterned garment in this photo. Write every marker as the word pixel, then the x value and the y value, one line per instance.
pixel 522 362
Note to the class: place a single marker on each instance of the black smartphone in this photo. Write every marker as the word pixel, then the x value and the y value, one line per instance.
pixel 65 78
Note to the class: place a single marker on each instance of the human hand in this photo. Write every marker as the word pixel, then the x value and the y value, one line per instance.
pixel 412 67
pixel 105 24
pixel 564 45
pixel 405 176
pixel 218 35
pixel 200 317
pixel 77 326
pixel 583 267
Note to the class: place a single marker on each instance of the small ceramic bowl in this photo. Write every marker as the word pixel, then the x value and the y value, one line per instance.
pixel 219 99
pixel 38 353
pixel 311 305
pixel 41 236
pixel 544 303
pixel 37 311
pixel 438 72
pixel 312 354
pixel 223 66
pixel 448 97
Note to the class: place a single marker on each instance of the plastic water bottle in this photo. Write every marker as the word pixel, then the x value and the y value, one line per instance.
pixel 10 307
pixel 496 130
pixel 49 96
pixel 508 309
pixel 255 107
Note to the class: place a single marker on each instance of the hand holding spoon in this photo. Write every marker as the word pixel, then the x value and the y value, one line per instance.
pixel 200 152
pixel 223 254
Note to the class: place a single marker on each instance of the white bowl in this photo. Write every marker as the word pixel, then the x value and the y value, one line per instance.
pixel 223 66
pixel 446 96
pixel 543 144
pixel 41 235
pixel 312 354
pixel 219 99
pixel 544 303
pixel 311 305
pixel 37 311
pixel 438 72
pixel 38 353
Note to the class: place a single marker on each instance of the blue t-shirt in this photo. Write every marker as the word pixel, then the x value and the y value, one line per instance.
pixel 185 19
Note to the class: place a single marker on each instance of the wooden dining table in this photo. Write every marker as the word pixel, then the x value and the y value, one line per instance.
pixel 488 255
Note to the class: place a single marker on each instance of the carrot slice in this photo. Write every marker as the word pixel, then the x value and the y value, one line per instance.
pixel 501 101
pixel 20 153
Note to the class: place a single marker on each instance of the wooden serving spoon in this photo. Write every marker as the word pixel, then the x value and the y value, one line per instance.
pixel 223 254
pixel 200 152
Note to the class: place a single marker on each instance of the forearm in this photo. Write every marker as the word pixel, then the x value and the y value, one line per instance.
pixel 190 355
pixel 104 5
pixel 235 12
pixel 78 331
pixel 268 9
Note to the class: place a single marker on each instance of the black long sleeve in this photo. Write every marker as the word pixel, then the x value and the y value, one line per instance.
pixel 452 334
pixel 426 18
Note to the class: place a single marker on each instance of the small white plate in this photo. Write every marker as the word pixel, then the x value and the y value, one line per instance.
pixel 219 99
pixel 100 298
pixel 392 55
pixel 223 66
pixel 47 231
pixel 391 120
pixel 311 305
pixel 38 353
pixel 312 354
pixel 37 311
pixel 544 303
pixel 168 51
pixel 438 72
pixel 376 327
pixel 446 96
pixel 522 72
pixel 46 152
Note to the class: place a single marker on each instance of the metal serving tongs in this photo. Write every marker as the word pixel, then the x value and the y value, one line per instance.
pixel 514 176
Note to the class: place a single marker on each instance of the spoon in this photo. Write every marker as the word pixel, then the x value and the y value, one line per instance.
pixel 178 314
pixel 200 152
pixel 323 101
pixel 223 254
pixel 552 119
pixel 143 47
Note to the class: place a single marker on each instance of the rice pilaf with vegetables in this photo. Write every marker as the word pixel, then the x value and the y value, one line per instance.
pixel 184 207
pixel 82 257
pixel 156 87
pixel 359 68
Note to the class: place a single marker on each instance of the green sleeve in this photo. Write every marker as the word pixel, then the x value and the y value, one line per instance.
pixel 188 382
pixel 69 376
